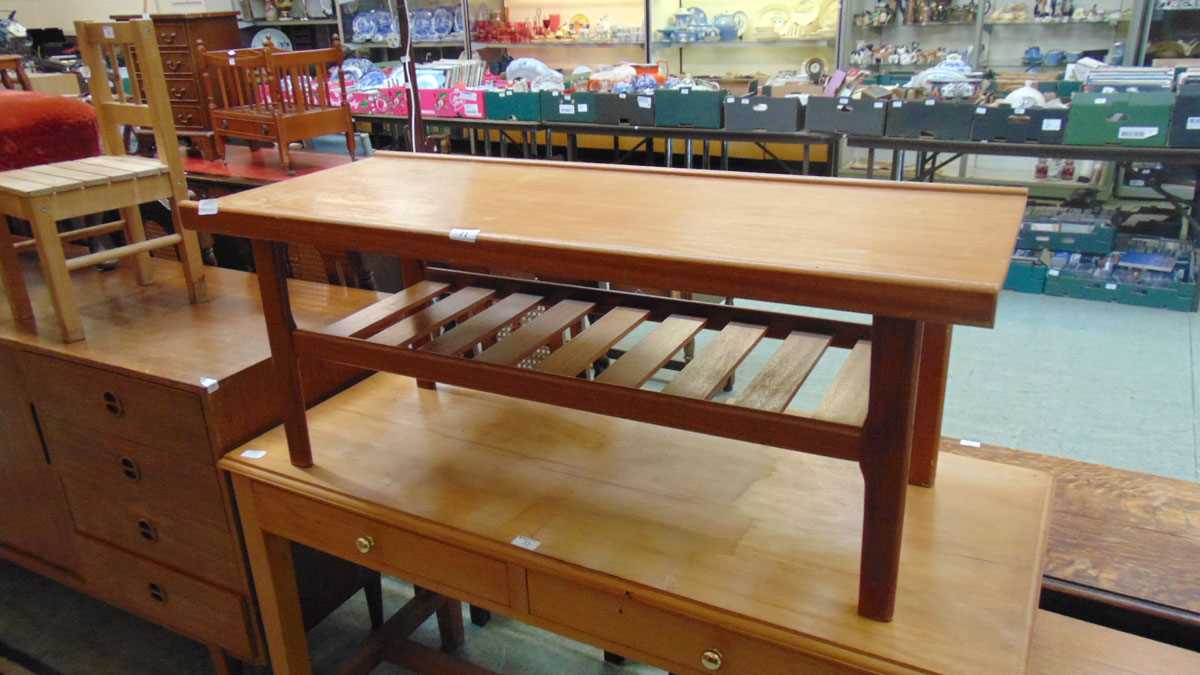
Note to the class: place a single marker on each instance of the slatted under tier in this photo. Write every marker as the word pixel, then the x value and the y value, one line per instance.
pixel 557 343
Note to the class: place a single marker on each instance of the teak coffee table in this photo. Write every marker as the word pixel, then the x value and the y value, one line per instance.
pixel 917 257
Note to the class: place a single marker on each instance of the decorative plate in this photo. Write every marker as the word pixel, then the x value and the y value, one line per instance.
pixel 443 22
pixel 459 24
pixel 364 27
pixel 278 38
pixel 422 24
pixel 383 22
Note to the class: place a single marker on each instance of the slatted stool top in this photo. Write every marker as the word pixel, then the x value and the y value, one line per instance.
pixel 77 174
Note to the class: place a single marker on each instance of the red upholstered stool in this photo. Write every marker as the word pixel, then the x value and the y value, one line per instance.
pixel 38 128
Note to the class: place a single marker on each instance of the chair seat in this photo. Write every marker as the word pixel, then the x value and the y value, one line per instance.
pixel 77 174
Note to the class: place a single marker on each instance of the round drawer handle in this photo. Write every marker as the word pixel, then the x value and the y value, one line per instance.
pixel 112 403
pixel 711 659
pixel 130 468
pixel 148 531
pixel 157 592
pixel 364 544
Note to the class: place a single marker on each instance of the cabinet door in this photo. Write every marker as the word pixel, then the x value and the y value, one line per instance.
pixel 33 516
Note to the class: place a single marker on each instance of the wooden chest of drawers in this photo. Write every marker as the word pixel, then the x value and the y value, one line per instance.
pixel 110 447
pixel 177 40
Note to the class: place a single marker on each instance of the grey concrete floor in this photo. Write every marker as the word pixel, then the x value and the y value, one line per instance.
pixel 1109 384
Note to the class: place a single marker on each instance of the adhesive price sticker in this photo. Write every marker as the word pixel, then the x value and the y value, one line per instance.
pixel 1193 123
pixel 108 32
pixel 254 454
pixel 1052 273
pixel 878 105
pixel 970 444
pixel 527 543
pixel 1110 287
pixel 981 110
pixel 207 207
pixel 645 102
pixel 461 234
pixel 930 101
pixel 566 109
pixel 1054 124
pixel 582 107
pixel 1136 133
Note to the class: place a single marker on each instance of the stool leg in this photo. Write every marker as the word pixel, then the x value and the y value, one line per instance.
pixel 189 255
pixel 450 625
pixel 135 231
pixel 14 280
pixel 58 278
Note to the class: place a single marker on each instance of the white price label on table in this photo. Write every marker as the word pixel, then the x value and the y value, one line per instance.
pixel 254 454
pixel 462 234
pixel 207 207
pixel 527 543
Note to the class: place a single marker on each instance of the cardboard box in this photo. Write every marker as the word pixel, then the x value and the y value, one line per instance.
pixel 930 118
pixel 763 113
pixel 437 102
pixel 845 115
pixel 525 106
pixel 560 107
pixel 687 107
pixel 58 84
pixel 1002 122
pixel 625 109
pixel 1140 119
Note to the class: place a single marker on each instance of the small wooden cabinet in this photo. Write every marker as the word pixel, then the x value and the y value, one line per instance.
pixel 108 456
pixel 177 40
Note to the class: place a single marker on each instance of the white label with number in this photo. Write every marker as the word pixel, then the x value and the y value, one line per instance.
pixel 981 110
pixel 879 105
pixel 1052 273
pixel 109 33
pixel 1110 287
pixel 1101 101
pixel 207 207
pixel 527 543
pixel 1054 124
pixel 897 104
pixel 645 102
pixel 566 109
pixel 1136 133
pixel 582 107
pixel 930 102
pixel 461 234
pixel 1193 123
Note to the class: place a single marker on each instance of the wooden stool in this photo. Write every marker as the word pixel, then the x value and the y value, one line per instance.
pixel 48 193
pixel 12 73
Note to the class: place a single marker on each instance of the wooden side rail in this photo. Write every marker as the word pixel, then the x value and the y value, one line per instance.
pixel 119 252
pixel 81 233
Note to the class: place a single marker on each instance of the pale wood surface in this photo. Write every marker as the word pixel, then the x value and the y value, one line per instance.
pixel 431 318
pixel 784 373
pixel 846 399
pixel 546 327
pixel 154 333
pixel 484 325
pixel 1066 646
pixel 906 249
pixel 594 342
pixel 710 369
pixel 767 539
pixel 650 353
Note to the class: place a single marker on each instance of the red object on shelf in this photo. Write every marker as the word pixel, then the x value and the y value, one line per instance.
pixel 37 128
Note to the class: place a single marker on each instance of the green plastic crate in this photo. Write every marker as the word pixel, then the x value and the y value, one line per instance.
pixel 1067 230
pixel 1025 276
pixel 524 106
pixel 687 107
pixel 1064 284
pixel 577 107
pixel 1180 297
pixel 1140 119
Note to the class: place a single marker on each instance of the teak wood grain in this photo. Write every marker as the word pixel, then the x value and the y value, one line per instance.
pixel 702 527
pixel 910 250
pixel 1066 646
pixel 593 343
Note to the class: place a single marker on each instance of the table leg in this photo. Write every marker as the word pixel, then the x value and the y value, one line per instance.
pixel 572 147
pixel 450 625
pixel 471 135
pixel 807 158
pixel 549 144
pixel 688 150
pixel 931 395
pixel 669 150
pixel 524 144
pixel 649 151
pixel 887 440
pixel 898 165
pixel 503 144
pixel 724 155
pixel 275 582
pixel 487 142
pixel 706 155
pixel 870 163
pixel 270 262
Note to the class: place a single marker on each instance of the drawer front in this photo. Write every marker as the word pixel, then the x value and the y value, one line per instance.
pixel 254 128
pixel 410 556
pixel 201 611
pixel 177 63
pixel 185 543
pixel 113 404
pixel 693 646
pixel 182 89
pixel 171 34
pixel 132 473
pixel 188 116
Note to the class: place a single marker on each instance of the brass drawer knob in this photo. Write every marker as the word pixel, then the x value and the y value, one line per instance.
pixel 112 403
pixel 130 468
pixel 711 659
pixel 364 544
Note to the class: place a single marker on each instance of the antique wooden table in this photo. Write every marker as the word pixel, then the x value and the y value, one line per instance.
pixel 919 258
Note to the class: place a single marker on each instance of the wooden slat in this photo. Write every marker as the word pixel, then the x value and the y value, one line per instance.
pixel 779 380
pixel 712 367
pixel 483 325
pixel 83 178
pixel 373 318
pixel 646 357
pixel 433 317
pixel 22 187
pixel 122 251
pixel 846 400
pixel 57 183
pixel 536 333
pixel 98 169
pixel 583 350
pixel 131 114
pixel 130 165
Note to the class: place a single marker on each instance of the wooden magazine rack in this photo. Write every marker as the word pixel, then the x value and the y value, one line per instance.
pixel 919 258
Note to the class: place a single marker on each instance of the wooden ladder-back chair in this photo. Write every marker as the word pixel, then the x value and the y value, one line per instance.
pixel 12 73
pixel 48 193
pixel 268 95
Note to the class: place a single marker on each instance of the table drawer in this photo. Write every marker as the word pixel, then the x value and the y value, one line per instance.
pixel 410 556
pixel 256 128
pixel 129 472
pixel 171 34
pixel 183 89
pixel 177 63
pixel 187 116
pixel 192 545
pixel 196 609
pixel 103 401
pixel 676 639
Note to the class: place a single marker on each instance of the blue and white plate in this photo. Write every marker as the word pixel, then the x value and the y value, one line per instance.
pixel 364 27
pixel 422 24
pixel 443 22
pixel 459 24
